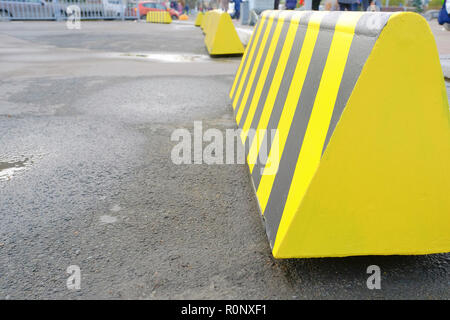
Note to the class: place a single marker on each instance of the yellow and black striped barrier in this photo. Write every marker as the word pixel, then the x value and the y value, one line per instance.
pixel 221 37
pixel 199 19
pixel 159 17
pixel 347 124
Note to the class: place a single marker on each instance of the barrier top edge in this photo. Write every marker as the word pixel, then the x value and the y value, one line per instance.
pixel 367 23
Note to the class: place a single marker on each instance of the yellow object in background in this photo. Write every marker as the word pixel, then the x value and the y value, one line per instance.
pixel 183 17
pixel 199 19
pixel 206 20
pixel 221 37
pixel 159 17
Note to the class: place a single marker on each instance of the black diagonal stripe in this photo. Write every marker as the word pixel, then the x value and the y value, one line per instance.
pixel 280 99
pixel 258 74
pixel 252 64
pixel 362 44
pixel 283 179
pixel 268 81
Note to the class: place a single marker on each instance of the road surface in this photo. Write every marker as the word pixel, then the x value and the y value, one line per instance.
pixel 86 118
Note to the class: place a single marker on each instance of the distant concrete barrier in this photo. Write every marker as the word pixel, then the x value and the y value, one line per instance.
pixel 221 37
pixel 244 35
pixel 359 163
pixel 159 17
pixel 199 19
pixel 206 20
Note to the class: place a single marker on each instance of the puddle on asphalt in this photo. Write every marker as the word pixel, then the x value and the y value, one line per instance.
pixel 179 26
pixel 168 57
pixel 105 219
pixel 10 168
pixel 115 208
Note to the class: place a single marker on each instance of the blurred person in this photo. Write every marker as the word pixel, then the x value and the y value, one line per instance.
pixel 378 4
pixel 444 15
pixel 291 4
pixel 346 5
pixel 374 6
pixel 364 5
pixel 237 9
pixel 224 5
pixel 315 5
pixel 182 5
pixel 331 5
pixel 276 4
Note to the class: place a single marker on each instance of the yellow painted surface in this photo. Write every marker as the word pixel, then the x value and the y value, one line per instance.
pixel 199 19
pixel 202 23
pixel 221 37
pixel 382 185
pixel 205 20
pixel 206 27
pixel 159 17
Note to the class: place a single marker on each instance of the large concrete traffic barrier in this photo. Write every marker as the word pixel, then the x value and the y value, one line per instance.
pixel 359 163
pixel 199 19
pixel 205 20
pixel 221 37
pixel 159 17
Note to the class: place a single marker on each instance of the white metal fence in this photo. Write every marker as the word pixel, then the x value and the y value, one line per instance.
pixel 61 9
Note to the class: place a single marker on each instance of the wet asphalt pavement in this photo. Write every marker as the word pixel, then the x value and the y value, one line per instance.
pixel 86 115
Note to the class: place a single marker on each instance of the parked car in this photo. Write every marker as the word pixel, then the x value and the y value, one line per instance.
pixel 147 6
